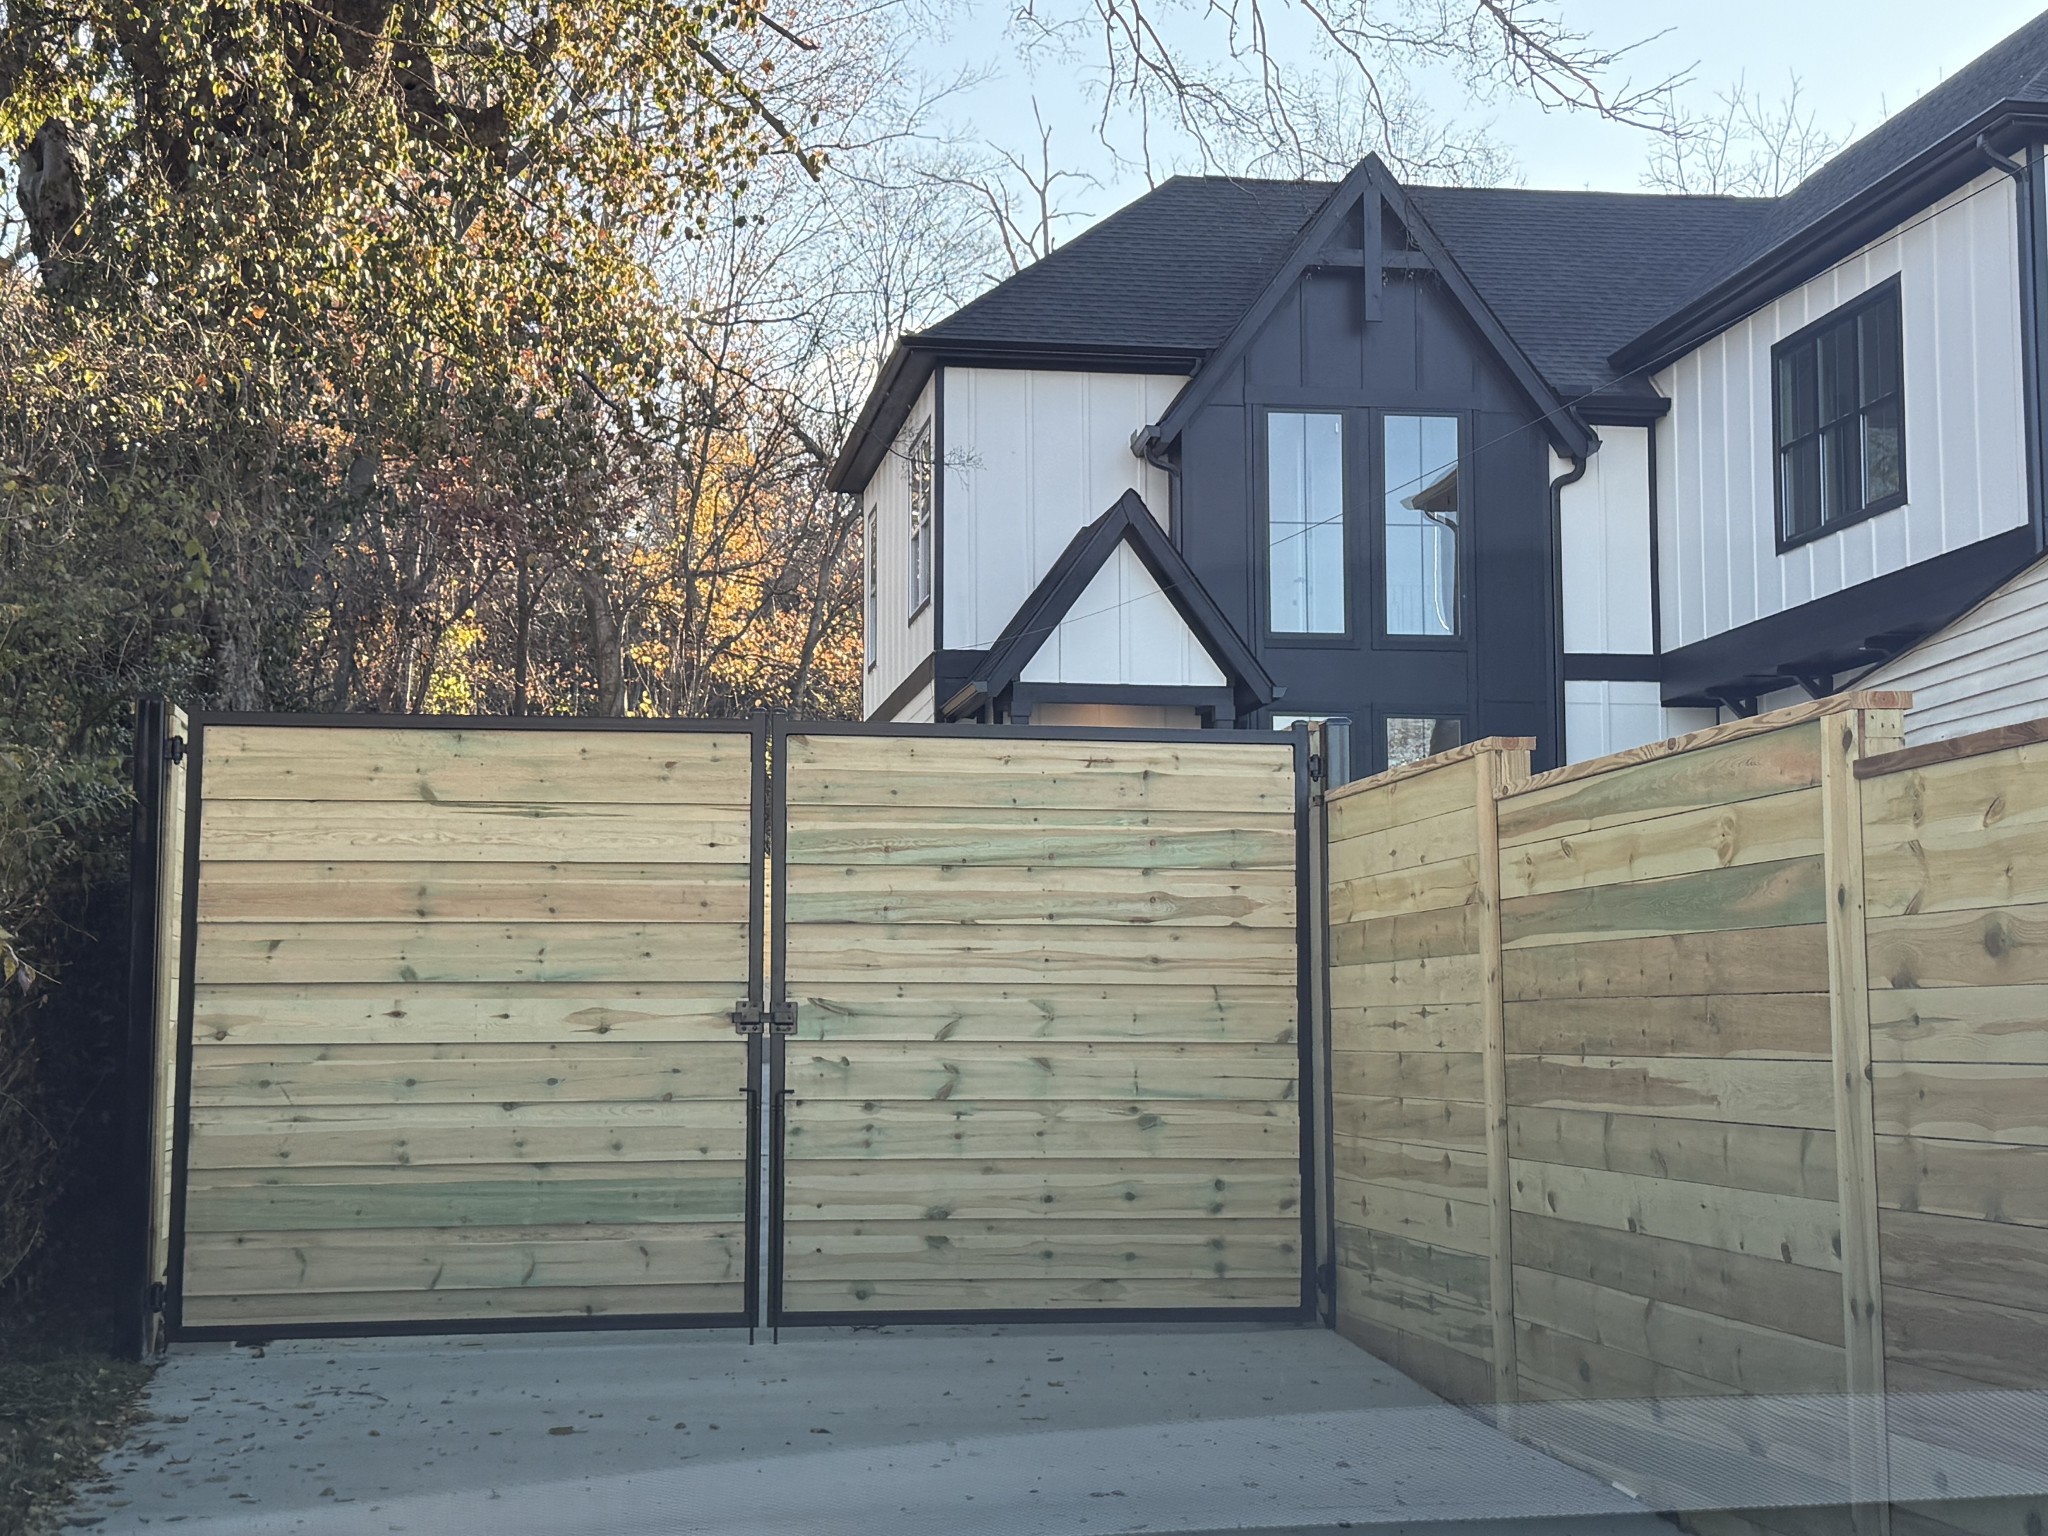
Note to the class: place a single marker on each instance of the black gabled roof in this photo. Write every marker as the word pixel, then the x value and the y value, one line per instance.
pixel 1127 521
pixel 1171 271
pixel 1573 275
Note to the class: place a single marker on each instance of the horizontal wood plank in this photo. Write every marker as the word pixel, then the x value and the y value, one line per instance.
pixel 1999 947
pixel 1990 1024
pixel 283 890
pixel 999 836
pixel 458 1306
pixel 1038 1188
pixel 1409 1075
pixel 1783 894
pixel 1767 1093
pixel 453 1013
pixel 1004 953
pixel 478 765
pixel 362 831
pixel 343 1199
pixel 302 954
pixel 1042 1011
pixel 858 1250
pixel 1992 1261
pixel 1010 1129
pixel 1792 1229
pixel 1685 964
pixel 1961 1178
pixel 1766 830
pixel 961 1071
pixel 1962 1101
pixel 626 1072
pixel 1774 1159
pixel 1764 1025
pixel 1031 894
pixel 1108 1293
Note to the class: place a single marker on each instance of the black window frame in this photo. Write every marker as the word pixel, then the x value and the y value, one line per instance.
pixel 1849 315
pixel 1384 637
pixel 1351 451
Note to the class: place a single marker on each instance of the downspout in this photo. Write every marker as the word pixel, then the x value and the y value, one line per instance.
pixel 1571 476
pixel 2027 191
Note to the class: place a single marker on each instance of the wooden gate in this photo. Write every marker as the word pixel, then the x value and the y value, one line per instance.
pixel 1046 1006
pixel 456 1011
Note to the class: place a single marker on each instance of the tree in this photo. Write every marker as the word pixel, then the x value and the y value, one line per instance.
pixel 1748 147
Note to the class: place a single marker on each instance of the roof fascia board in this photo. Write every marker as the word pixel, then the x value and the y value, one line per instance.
pixel 1566 430
pixel 916 356
pixel 1307 249
pixel 1850 225
pixel 1078 564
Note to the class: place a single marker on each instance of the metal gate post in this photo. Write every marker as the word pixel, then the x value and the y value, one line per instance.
pixel 145 886
pixel 1318 1108
pixel 780 1012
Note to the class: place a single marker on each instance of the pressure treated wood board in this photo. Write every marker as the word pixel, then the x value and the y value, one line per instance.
pixel 1769 830
pixel 2000 946
pixel 878 1071
pixel 1050 1191
pixel 454 1013
pixel 313 953
pixel 411 832
pixel 1773 1159
pixel 1767 1093
pixel 284 891
pixel 1460 1126
pixel 1997 1345
pixel 973 1130
pixel 1782 1025
pixel 1791 1228
pixel 1744 896
pixel 1936 1024
pixel 1027 894
pixel 1100 1013
pixel 996 836
pixel 1106 1292
pixel 1963 1178
pixel 1735 961
pixel 1748 768
pixel 294 1076
pixel 303 1309
pixel 1752 1288
pixel 577 767
pixel 1990 1261
pixel 1014 1249
pixel 1736 1354
pixel 1963 1101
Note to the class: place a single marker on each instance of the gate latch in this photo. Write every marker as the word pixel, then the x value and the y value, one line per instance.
pixel 749 1017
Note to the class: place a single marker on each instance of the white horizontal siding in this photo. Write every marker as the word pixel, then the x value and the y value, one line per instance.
pixel 1965 479
pixel 1606 538
pixel 1032 457
pixel 1990 667
pixel 901 639
pixel 1124 629
pixel 1600 718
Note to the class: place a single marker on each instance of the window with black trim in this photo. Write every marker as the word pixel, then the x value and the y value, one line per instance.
pixel 1420 525
pixel 1305 591
pixel 1839 407
pixel 920 519
pixel 874 582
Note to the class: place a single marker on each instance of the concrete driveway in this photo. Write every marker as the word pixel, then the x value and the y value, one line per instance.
pixel 914 1432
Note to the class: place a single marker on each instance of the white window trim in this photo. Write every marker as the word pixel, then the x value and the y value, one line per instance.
pixel 921 518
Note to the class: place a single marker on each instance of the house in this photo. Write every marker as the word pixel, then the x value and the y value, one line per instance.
pixel 1443 462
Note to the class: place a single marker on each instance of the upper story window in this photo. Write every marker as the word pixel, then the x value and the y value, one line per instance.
pixel 1305 522
pixel 1838 402
pixel 920 518
pixel 1421 525
pixel 874 580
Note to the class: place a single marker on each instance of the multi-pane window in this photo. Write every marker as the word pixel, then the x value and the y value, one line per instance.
pixel 1411 738
pixel 873 552
pixel 1421 523
pixel 1305 522
pixel 1838 402
pixel 921 518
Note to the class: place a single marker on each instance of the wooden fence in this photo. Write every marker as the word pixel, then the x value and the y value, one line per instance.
pixel 1709 1071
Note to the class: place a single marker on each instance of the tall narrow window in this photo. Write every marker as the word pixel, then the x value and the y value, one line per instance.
pixel 1838 405
pixel 1305 522
pixel 920 518
pixel 1421 521
pixel 873 552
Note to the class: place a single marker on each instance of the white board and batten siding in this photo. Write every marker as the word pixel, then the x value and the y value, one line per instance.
pixel 1032 457
pixel 1718 560
pixel 1605 516
pixel 900 639
pixel 1124 629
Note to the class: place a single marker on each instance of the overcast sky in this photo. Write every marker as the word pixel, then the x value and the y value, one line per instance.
pixel 1857 60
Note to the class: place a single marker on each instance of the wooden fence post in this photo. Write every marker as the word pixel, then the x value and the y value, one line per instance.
pixel 1845 738
pixel 1496 769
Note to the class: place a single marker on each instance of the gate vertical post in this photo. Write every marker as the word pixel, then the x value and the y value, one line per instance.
pixel 145 885
pixel 1493 771
pixel 1316 1103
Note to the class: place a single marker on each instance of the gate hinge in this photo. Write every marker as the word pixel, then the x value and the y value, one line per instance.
pixel 1315 767
pixel 747 1017
pixel 783 1017
pixel 157 1295
pixel 174 749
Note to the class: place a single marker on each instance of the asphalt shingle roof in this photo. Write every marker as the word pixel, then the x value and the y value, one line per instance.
pixel 1173 270
pixel 1573 275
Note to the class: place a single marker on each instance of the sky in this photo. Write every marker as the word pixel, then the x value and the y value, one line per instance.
pixel 1856 60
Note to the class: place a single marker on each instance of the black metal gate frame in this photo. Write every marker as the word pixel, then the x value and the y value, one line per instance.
pixel 766 1047
pixel 1308 1103
pixel 175 1329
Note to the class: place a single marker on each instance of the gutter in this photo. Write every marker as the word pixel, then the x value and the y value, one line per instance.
pixel 2031 214
pixel 1571 476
